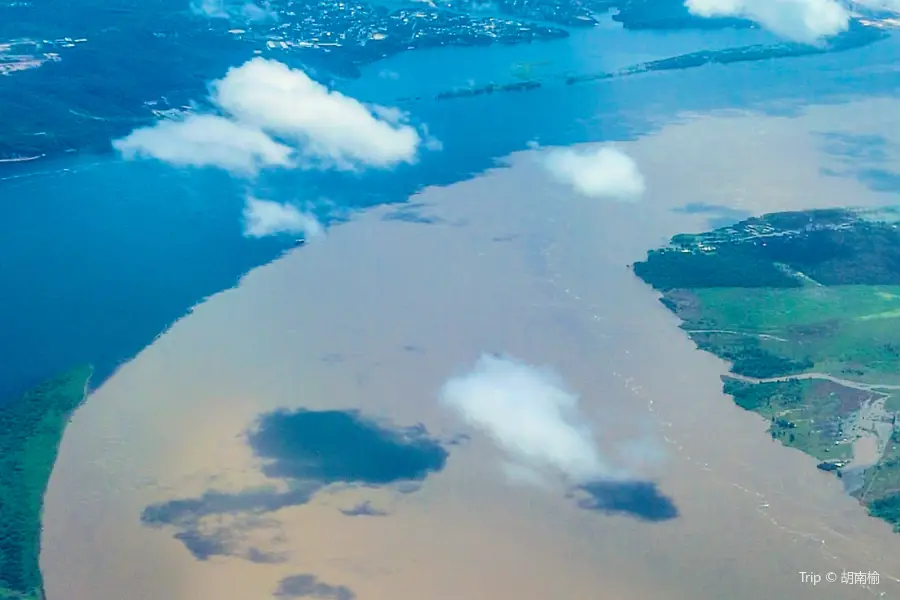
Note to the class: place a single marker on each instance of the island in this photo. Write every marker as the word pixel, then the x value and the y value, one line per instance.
pixel 31 429
pixel 490 88
pixel 805 306
pixel 857 35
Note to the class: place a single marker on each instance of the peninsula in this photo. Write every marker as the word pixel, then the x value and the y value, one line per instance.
pixel 806 308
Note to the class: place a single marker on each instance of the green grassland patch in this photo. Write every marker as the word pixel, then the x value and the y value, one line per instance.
pixel 833 330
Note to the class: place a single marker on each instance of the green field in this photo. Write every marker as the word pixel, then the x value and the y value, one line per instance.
pixel 842 330
pixel 31 428
pixel 786 298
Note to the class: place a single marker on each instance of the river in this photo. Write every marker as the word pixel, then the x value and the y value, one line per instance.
pixel 110 217
pixel 381 312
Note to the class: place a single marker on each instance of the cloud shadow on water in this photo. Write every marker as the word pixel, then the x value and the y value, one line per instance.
pixel 364 509
pixel 880 180
pixel 262 500
pixel 641 500
pixel 717 214
pixel 867 157
pixel 309 586
pixel 303 452
pixel 201 546
pixel 223 535
pixel 343 447
pixel 855 147
pixel 224 542
pixel 411 213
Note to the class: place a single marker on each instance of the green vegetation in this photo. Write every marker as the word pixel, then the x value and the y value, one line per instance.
pixel 842 330
pixel 31 428
pixel 881 487
pixel 790 299
pixel 828 247
pixel 748 355
pixel 803 414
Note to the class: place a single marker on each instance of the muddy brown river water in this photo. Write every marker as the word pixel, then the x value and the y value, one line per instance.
pixel 380 313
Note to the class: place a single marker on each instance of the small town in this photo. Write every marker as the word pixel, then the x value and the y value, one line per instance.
pixel 366 33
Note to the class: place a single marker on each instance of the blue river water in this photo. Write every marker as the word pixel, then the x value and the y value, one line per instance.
pixel 98 256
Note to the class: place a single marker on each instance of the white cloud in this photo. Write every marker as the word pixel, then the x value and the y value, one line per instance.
pixel 529 414
pixel 888 5
pixel 219 9
pixel 331 129
pixel 214 9
pixel 391 114
pixel 255 12
pixel 275 116
pixel 206 140
pixel 603 172
pixel 800 20
pixel 265 217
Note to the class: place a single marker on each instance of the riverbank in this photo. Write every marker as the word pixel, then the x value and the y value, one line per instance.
pixel 31 429
pixel 806 292
pixel 867 432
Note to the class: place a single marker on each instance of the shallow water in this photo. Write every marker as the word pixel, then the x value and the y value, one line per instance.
pixel 380 313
